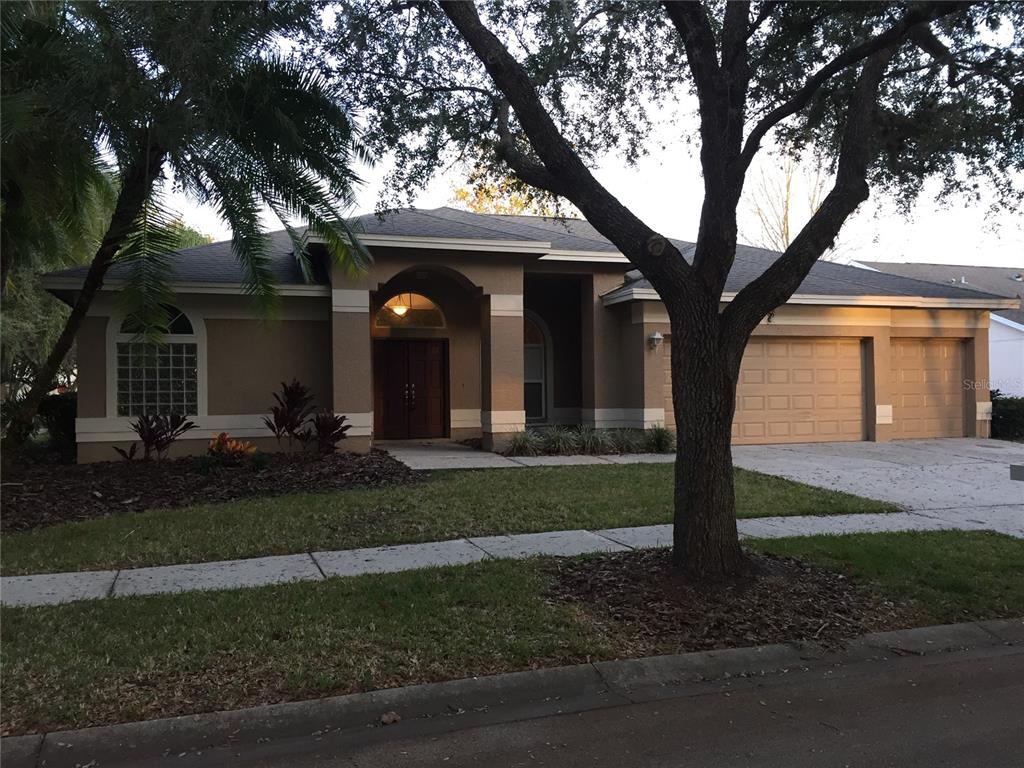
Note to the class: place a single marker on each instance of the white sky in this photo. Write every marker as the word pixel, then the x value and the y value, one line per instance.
pixel 665 190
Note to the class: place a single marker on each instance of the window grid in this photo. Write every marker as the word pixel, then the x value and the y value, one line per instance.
pixel 157 378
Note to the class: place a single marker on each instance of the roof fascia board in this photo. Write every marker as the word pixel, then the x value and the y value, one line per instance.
pixel 74 284
pixel 453 243
pixel 649 294
pixel 590 256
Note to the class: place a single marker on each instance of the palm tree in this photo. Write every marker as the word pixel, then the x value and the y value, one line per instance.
pixel 201 90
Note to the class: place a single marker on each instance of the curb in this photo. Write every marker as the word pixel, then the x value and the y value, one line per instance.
pixel 507 697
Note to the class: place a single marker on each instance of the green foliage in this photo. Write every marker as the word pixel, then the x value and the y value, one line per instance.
pixel 560 441
pixel 594 441
pixel 57 414
pixel 608 73
pixel 198 89
pixel 660 439
pixel 627 440
pixel 1007 416
pixel 526 443
pixel 259 461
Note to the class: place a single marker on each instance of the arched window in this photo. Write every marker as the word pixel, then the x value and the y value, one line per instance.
pixel 158 377
pixel 409 310
pixel 535 369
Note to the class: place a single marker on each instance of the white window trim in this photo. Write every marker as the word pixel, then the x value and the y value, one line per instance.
pixel 198 337
pixel 547 382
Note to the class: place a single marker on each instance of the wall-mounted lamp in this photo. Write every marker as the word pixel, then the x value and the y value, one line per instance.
pixel 655 339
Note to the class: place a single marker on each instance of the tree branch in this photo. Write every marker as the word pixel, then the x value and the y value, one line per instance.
pixel 777 283
pixel 656 257
pixel 922 14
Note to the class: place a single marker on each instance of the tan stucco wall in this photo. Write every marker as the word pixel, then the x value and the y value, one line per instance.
pixel 248 359
pixel 92 371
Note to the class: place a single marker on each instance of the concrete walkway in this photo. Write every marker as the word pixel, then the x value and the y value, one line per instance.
pixel 442 454
pixel 54 588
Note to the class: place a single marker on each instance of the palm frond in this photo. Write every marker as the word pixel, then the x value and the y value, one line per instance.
pixel 147 251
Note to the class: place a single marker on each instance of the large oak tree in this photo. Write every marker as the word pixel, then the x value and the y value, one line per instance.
pixel 890 93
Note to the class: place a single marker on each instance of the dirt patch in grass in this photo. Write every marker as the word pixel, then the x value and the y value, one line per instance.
pixel 780 600
pixel 35 496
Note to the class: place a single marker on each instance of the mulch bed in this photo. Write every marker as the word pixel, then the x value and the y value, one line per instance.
pixel 781 600
pixel 34 496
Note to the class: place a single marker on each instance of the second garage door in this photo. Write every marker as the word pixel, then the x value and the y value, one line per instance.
pixel 795 390
pixel 927 388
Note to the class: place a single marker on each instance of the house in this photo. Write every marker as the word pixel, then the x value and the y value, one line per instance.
pixel 1006 329
pixel 475 326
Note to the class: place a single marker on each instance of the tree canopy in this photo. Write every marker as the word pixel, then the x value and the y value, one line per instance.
pixel 951 102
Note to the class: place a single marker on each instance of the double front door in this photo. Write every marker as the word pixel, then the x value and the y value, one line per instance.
pixel 410 393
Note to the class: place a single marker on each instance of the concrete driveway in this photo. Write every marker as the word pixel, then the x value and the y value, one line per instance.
pixel 964 481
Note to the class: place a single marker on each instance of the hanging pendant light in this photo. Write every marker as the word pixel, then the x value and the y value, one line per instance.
pixel 402 304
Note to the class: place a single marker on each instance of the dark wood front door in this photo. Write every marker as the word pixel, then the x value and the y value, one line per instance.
pixel 410 388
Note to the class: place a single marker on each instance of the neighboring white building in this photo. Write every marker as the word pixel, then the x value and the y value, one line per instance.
pixel 1006 355
pixel 1006 331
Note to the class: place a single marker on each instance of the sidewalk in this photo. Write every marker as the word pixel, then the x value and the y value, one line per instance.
pixel 54 588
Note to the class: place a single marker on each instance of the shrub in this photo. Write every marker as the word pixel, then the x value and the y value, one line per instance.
pixel 326 431
pixel 223 446
pixel 560 441
pixel 594 441
pixel 57 414
pixel 156 432
pixel 627 440
pixel 1007 416
pixel 294 407
pixel 661 439
pixel 259 461
pixel 526 443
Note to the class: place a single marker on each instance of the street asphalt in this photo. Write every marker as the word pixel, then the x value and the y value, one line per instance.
pixel 961 711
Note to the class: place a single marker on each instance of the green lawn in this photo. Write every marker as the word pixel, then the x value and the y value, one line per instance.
pixel 447 505
pixel 116 660
pixel 949 576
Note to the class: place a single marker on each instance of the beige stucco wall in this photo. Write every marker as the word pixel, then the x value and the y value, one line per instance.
pixel 92 370
pixel 248 359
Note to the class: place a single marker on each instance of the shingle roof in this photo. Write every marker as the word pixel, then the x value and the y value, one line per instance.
pixel 215 263
pixel 825 278
pixel 1001 281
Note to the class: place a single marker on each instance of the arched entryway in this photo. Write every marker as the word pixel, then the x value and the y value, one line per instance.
pixel 425 329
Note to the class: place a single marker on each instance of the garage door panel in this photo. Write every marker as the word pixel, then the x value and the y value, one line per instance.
pixel 927 390
pixel 794 390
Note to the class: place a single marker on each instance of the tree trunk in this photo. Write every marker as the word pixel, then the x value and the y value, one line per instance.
pixel 135 189
pixel 705 542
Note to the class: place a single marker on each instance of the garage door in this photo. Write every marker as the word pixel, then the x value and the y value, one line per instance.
pixel 796 390
pixel 926 377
